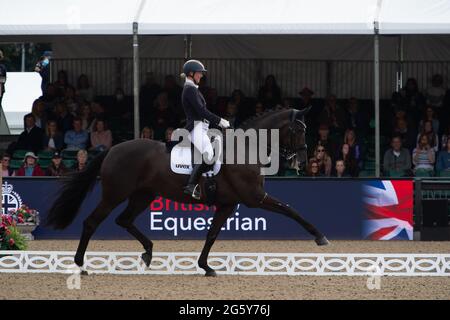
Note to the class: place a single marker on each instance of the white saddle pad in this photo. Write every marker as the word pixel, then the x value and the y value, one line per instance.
pixel 181 159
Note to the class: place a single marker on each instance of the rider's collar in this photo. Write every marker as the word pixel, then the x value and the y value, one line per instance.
pixel 189 81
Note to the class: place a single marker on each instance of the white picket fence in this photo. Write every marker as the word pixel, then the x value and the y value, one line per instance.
pixel 230 263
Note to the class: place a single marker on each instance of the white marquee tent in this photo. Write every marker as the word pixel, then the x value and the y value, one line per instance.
pixel 72 23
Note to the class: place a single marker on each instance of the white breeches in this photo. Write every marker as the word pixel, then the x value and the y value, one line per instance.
pixel 201 141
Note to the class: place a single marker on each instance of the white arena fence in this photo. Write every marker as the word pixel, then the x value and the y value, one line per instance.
pixel 230 263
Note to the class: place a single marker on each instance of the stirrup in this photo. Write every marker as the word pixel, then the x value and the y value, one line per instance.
pixel 193 191
pixel 196 193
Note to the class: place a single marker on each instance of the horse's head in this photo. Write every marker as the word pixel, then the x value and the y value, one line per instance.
pixel 293 138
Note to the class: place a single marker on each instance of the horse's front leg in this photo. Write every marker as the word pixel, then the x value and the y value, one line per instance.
pixel 220 216
pixel 275 205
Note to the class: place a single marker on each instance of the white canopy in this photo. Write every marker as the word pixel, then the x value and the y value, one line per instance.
pixel 414 17
pixel 116 17
pixel 257 17
pixel 63 17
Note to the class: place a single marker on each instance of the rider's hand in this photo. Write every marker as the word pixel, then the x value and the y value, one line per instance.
pixel 224 123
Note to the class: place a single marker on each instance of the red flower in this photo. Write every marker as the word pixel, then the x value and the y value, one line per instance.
pixel 11 242
pixel 7 232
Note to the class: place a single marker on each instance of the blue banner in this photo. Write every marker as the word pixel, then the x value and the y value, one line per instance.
pixel 335 207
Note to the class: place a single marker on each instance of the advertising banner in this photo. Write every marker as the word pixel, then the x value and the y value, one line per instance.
pixel 341 209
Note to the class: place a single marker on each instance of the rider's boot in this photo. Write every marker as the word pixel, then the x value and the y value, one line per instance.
pixel 192 188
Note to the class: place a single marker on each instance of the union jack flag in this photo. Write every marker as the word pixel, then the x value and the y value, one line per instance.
pixel 388 210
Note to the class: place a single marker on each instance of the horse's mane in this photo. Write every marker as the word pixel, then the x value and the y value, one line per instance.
pixel 247 123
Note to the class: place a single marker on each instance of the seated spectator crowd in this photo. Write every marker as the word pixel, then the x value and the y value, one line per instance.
pixel 69 124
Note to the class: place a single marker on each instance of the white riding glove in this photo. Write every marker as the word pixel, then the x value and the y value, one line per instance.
pixel 224 123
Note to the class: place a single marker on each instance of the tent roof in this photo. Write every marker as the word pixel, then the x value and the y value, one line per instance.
pixel 115 17
pixel 63 17
pixel 257 17
pixel 414 17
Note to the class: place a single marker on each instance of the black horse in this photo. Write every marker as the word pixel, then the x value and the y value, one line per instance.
pixel 139 170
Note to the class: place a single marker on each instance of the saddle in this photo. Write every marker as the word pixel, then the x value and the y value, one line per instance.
pixel 181 157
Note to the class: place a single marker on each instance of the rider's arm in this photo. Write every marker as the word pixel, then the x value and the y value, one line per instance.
pixel 194 99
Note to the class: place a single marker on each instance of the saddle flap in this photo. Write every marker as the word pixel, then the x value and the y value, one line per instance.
pixel 181 158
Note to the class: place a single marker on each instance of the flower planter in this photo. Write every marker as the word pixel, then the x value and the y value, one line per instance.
pixel 26 229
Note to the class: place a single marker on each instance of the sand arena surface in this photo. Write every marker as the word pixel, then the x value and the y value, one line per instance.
pixel 53 286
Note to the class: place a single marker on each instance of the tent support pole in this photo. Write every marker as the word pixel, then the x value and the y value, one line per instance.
pixel 377 99
pixel 136 80
pixel 399 81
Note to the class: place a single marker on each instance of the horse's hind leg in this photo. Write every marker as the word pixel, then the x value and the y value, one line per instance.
pixel 220 216
pixel 138 201
pixel 89 226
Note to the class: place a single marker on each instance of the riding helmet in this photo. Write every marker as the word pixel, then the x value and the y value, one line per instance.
pixel 193 66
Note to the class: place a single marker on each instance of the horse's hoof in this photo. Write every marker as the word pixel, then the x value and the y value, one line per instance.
pixel 322 241
pixel 210 273
pixel 147 258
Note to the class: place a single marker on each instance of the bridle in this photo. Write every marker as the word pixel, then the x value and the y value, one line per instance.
pixel 291 150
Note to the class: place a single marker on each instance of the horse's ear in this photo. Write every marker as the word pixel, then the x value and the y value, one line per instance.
pixel 301 113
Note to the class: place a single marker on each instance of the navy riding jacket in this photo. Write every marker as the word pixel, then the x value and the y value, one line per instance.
pixel 194 106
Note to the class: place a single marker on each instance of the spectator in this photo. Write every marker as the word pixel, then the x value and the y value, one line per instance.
pixel 82 157
pixel 84 89
pixel 270 92
pixel 6 170
pixel 407 134
pixel 423 156
pixel 239 99
pixel 61 83
pixel 355 148
pixel 63 118
pixel 148 93
pixel 53 139
pixel 323 160
pixel 443 161
pixel 147 133
pixel 163 117
pixel 305 98
pixel 436 93
pixel 31 137
pixel 397 160
pixel 259 108
pixel 168 134
pixel 412 98
pixel 77 138
pixel 50 99
pixel 101 138
pixel 57 167
pixel 71 100
pixel 30 168
pixel 173 91
pixel 43 68
pixel 325 140
pixel 445 137
pixel 429 115
pixel 433 138
pixel 212 99
pixel 350 162
pixel 38 110
pixel 340 170
pixel 2 78
pixel 231 114
pixel 313 168
pixel 121 106
pixel 333 115
pixel 98 111
pixel 87 119
pixel 357 119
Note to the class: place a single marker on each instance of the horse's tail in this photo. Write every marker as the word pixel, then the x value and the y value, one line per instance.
pixel 75 188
